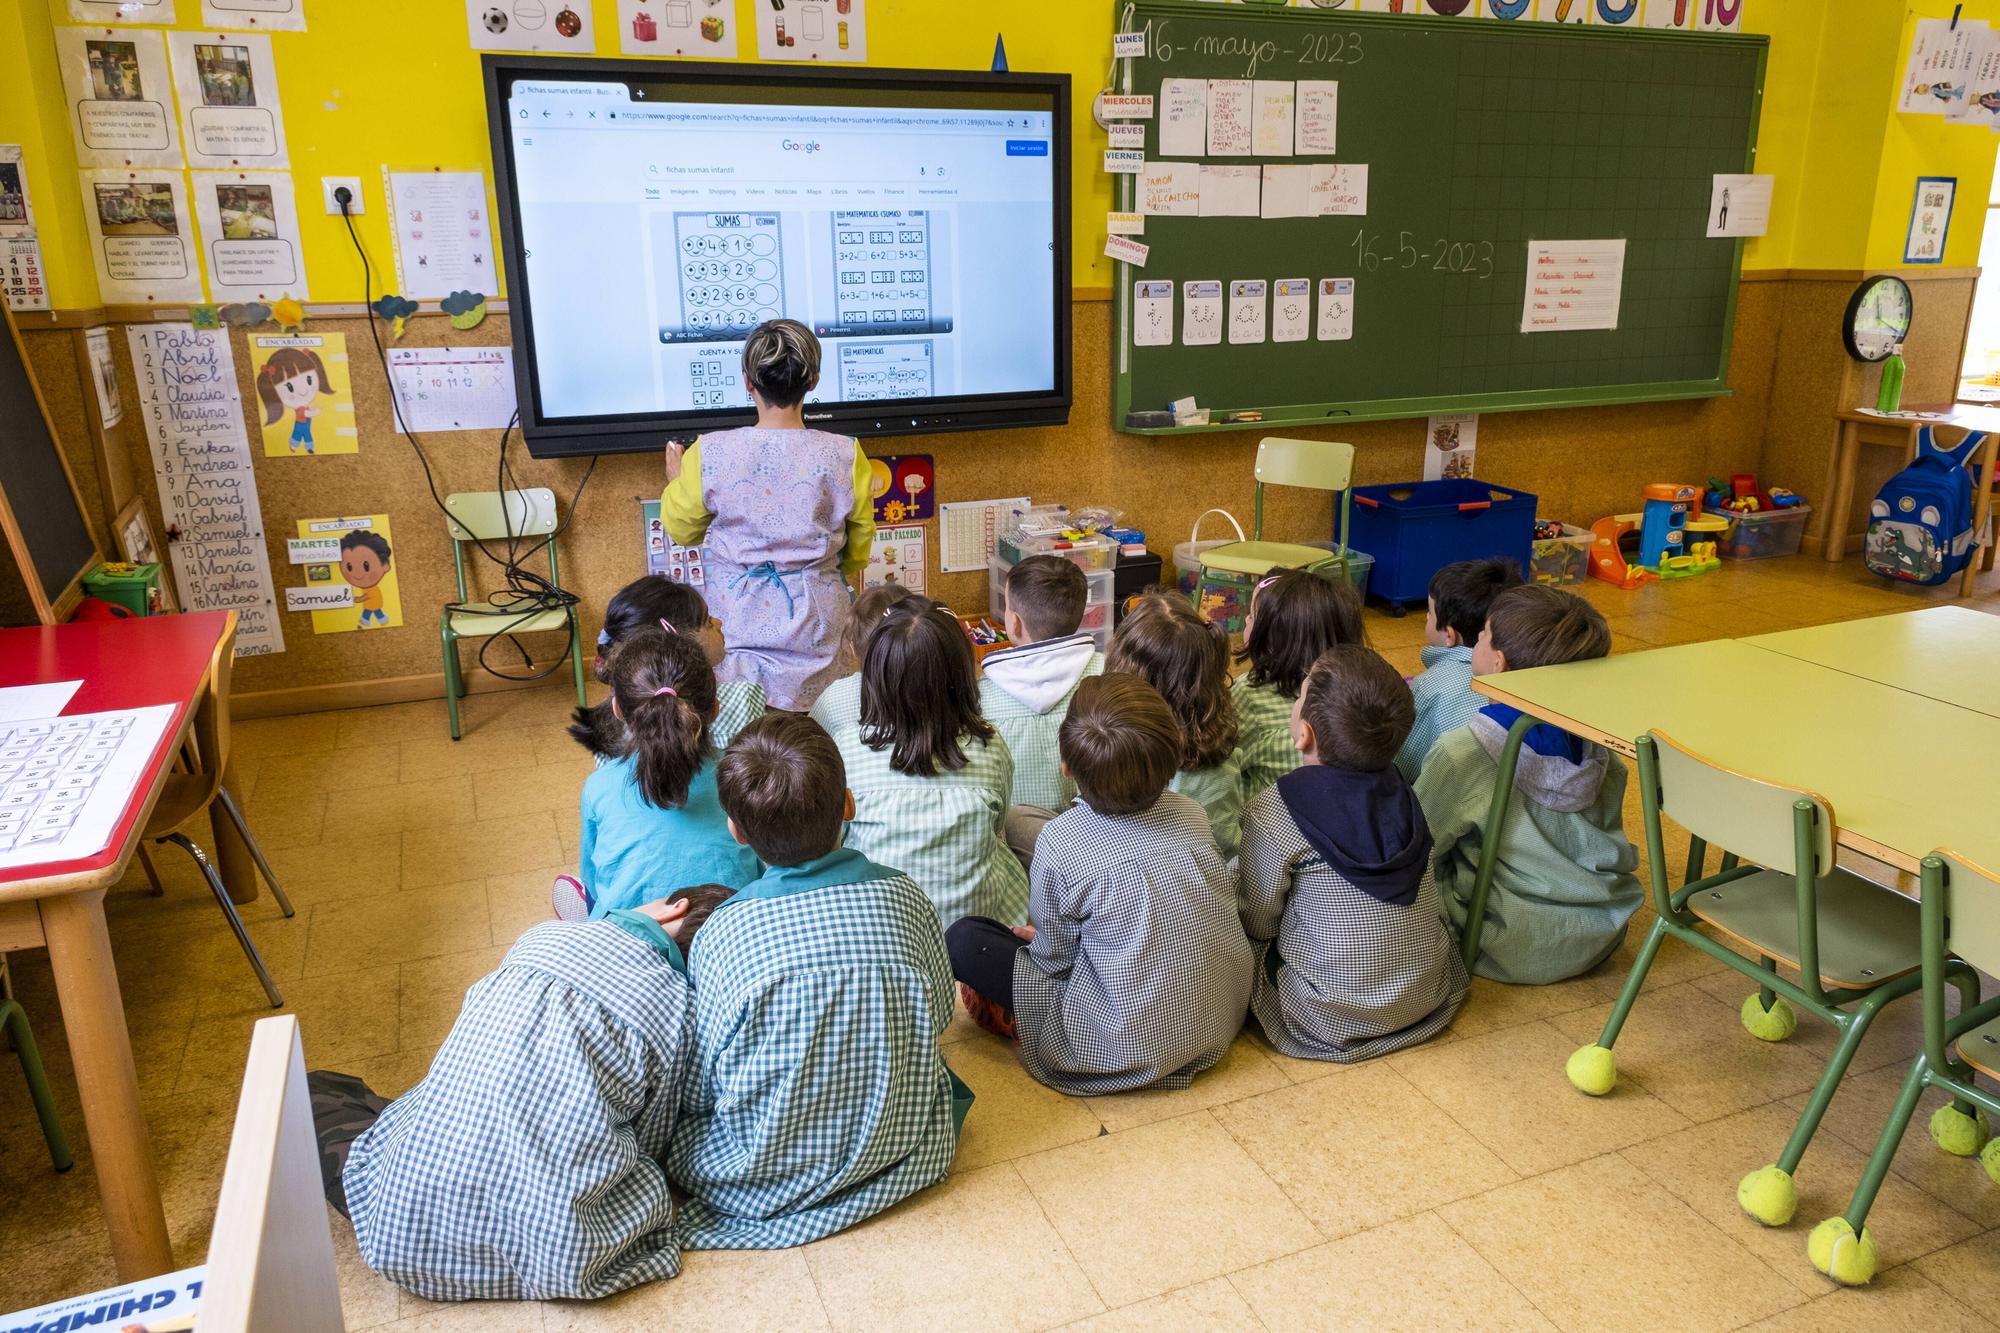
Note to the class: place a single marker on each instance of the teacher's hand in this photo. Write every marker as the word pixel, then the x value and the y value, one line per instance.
pixel 673 461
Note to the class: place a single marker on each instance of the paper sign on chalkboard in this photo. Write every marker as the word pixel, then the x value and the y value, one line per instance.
pixel 1183 117
pixel 1229 116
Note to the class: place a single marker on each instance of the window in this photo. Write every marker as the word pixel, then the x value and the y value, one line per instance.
pixel 1980 379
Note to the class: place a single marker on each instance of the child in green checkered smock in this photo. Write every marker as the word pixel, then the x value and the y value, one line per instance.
pixel 931 778
pixel 1167 645
pixel 839 705
pixel 1294 617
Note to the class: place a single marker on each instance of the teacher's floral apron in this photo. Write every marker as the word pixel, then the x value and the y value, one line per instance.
pixel 781 499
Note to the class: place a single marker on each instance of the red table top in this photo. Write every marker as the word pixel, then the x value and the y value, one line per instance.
pixel 122 664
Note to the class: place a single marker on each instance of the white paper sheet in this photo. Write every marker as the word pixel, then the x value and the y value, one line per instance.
pixel 1152 314
pixel 141 237
pixel 104 377
pixel 1230 192
pixel 228 86
pixel 1183 117
pixel 23 279
pixel 897 555
pixel 453 388
pixel 530 25
pixel 1340 188
pixel 969 532
pixel 1940 65
pixel 121 100
pixel 1126 134
pixel 1739 205
pixel 679 28
pixel 1126 250
pixel 1930 220
pixel 1124 161
pixel 1229 115
pixel 814 30
pixel 1170 189
pixel 1981 103
pixel 1336 309
pixel 443 241
pixel 1318 115
pixel 54 829
pixel 1272 114
pixel 1291 308
pixel 1125 224
pixel 122 11
pixel 1573 285
pixel 20 703
pixel 1201 313
pixel 1125 106
pixel 1248 303
pixel 267 15
pixel 249 230
pixel 1288 191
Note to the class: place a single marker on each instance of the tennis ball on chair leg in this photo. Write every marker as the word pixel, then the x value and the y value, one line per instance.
pixel 1768 1195
pixel 1773 1024
pixel 1592 1069
pixel 1840 1254
pixel 1957 1133
pixel 1989 1157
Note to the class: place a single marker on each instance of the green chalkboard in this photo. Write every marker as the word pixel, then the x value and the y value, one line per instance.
pixel 1480 137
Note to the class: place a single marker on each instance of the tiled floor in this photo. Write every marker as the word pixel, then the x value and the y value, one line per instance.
pixel 1463 1184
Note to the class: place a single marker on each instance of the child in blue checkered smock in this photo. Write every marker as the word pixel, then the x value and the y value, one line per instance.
pixel 527 1163
pixel 1294 617
pixel 1456 612
pixel 931 778
pixel 643 604
pixel 821 990
pixel 1186 659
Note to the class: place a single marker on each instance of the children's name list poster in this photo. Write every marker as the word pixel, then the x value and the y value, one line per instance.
pixel 1573 285
pixel 208 490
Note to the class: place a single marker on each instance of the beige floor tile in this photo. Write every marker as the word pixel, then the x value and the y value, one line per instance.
pixel 554 745
pixel 507 792
pixel 427 757
pixel 340 774
pixel 1244 1071
pixel 1900 1298
pixel 1969 1271
pixel 1013 1115
pixel 1508 1090
pixel 1493 1005
pixel 390 724
pixel 474 1317
pixel 1413 1274
pixel 396 1073
pixel 1361 1148
pixel 347 865
pixel 1701 1166
pixel 1858 1114
pixel 366 1299
pixel 1894 1038
pixel 1207 1307
pixel 1132 1205
pixel 432 992
pixel 286 820
pixel 718 1291
pixel 259 738
pixel 1601 1234
pixel 520 899
pixel 208 965
pixel 430 803
pixel 38 1273
pixel 343 1017
pixel 974 1251
pixel 474 851
pixel 399 927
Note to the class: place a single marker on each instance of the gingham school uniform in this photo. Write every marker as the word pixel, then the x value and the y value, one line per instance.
pixel 947 831
pixel 1264 749
pixel 1031 726
pixel 1340 975
pixel 525 1165
pixel 820 1095
pixel 839 705
pixel 738 703
pixel 1445 702
pixel 1218 790
pixel 1139 974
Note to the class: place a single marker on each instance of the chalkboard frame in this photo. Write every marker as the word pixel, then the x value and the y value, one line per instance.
pixel 55 609
pixel 1134 15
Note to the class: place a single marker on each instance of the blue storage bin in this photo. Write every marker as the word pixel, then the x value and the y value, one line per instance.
pixel 1414 529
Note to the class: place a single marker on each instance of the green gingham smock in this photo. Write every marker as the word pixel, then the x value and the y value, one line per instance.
pixel 1032 733
pixel 1264 749
pixel 1218 790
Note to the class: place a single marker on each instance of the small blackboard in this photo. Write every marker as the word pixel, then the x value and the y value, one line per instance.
pixel 39 509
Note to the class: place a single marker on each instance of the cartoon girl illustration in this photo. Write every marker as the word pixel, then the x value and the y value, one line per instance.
pixel 292 378
pixel 364 563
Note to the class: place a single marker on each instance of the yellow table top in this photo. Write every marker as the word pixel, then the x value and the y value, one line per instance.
pixel 1904 773
pixel 1947 653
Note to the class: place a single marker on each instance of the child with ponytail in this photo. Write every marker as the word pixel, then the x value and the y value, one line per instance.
pixel 652 602
pixel 652 822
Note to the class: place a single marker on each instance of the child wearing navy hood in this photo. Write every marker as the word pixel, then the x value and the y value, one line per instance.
pixel 1354 959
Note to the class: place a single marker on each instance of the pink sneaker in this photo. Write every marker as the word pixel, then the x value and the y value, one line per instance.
pixel 569 899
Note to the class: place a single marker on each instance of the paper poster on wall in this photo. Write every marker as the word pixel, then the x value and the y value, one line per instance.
pixel 904 487
pixel 121 102
pixel 266 15
pixel 1288 191
pixel 452 388
pixel 1229 113
pixel 1318 115
pixel 677 28
pixel 228 86
pixel 1449 445
pixel 1336 309
pixel 1152 314
pixel 358 590
pixel 1201 313
pixel 1671 14
pixel 531 25
pixel 443 242
pixel 305 401
pixel 104 377
pixel 1170 189
pixel 969 531
pixel 1739 205
pixel 141 237
pixel 1230 191
pixel 813 30
pixel 1930 219
pixel 23 280
pixel 1291 303
pixel 1273 111
pixel 665 556
pixel 1940 65
pixel 249 231
pixel 1981 103
pixel 188 400
pixel 122 11
pixel 896 555
pixel 1183 117
pixel 1340 189
pixel 1573 285
pixel 17 213
pixel 1248 301
pixel 1717 16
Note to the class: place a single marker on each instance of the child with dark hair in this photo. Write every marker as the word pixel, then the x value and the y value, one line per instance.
pixel 1353 960
pixel 1564 889
pixel 651 818
pixel 1186 659
pixel 364 563
pixel 642 604
pixel 840 705
pixel 527 1163
pixel 1135 973
pixel 1294 617
pixel 1456 612
pixel 931 778
pixel 292 381
pixel 820 992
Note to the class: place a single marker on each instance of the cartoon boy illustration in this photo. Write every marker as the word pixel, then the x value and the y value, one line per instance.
pixel 293 378
pixel 364 563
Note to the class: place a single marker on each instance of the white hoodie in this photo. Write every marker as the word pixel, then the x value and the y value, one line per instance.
pixel 1025 692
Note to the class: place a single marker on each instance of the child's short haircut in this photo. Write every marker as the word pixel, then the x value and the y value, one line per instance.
pixel 1120 742
pixel 1296 616
pixel 1464 592
pixel 1048 593
pixel 702 899
pixel 1186 659
pixel 373 541
pixel 1536 625
pixel 1359 708
pixel 781 361
pixel 869 608
pixel 784 786
pixel 920 690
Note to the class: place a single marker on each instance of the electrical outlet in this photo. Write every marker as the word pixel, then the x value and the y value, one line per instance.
pixel 328 184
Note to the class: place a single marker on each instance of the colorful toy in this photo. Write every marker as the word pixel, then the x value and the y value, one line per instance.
pixel 1608 552
pixel 1632 549
pixel 1663 521
pixel 1784 499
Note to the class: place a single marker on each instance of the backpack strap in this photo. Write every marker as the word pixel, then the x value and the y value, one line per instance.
pixel 1928 447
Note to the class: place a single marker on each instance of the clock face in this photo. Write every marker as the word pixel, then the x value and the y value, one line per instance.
pixel 1878 318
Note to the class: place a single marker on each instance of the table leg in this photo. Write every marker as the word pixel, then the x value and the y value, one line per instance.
pixel 1846 459
pixel 1982 509
pixel 94 1017
pixel 1489 839
pixel 232 855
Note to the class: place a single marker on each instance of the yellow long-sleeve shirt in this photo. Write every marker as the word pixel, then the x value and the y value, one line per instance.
pixel 687 516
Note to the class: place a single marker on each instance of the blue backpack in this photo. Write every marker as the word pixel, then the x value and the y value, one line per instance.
pixel 1920 526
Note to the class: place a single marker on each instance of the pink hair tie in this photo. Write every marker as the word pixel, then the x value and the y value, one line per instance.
pixel 666 689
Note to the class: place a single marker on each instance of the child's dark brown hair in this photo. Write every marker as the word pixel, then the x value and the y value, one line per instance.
pixel 702 900
pixel 1120 742
pixel 784 787
pixel 869 608
pixel 1049 593
pixel 1295 617
pixel 920 689
pixel 1186 659
pixel 1535 625
pixel 1359 707
pixel 285 363
pixel 665 691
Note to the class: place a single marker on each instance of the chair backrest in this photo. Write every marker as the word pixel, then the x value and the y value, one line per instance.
pixel 1734 811
pixel 498 516
pixel 211 715
pixel 1972 916
pixel 1319 465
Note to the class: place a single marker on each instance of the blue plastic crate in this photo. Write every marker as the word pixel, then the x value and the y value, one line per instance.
pixel 1414 529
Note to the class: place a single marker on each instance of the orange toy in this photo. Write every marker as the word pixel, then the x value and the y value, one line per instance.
pixel 1607 556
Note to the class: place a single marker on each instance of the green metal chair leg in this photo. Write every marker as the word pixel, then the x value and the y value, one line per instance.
pixel 1634 980
pixel 1766 997
pixel 1697 859
pixel 1489 839
pixel 1856 1027
pixel 576 657
pixel 15 1020
pixel 452 686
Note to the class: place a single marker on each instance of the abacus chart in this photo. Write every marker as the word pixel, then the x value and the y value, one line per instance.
pixel 732 275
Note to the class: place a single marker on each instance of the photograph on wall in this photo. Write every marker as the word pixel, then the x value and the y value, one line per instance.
pixel 141 238
pixel 1450 444
pixel 121 102
pixel 17 214
pixel 305 401
pixel 122 11
pixel 834 30
pixel 665 556
pixel 249 229
pixel 679 28
pixel 531 25
pixel 352 584
pixel 228 86
pixel 268 15
pixel 104 377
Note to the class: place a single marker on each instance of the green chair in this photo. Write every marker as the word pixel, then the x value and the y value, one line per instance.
pixel 1960 912
pixel 477 516
pixel 14 1019
pixel 1232 571
pixel 1855 944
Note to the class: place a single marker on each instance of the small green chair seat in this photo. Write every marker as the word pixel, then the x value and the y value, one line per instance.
pixel 1868 935
pixel 1257 559
pixel 473 625
pixel 1980 1048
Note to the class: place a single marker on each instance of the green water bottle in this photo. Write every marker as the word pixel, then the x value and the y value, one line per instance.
pixel 1889 398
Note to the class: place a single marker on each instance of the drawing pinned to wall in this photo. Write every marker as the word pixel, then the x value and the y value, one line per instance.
pixel 1201 313
pixel 1291 304
pixel 1671 14
pixel 1336 309
pixel 677 28
pixel 813 30
pixel 1248 300
pixel 1739 205
pixel 1450 443
pixel 1152 314
pixel 1981 103
pixel 267 15
pixel 249 229
pixel 531 25
pixel 122 11
pixel 1940 65
pixel 905 488
pixel 228 86
pixel 1719 16
pixel 446 388
pixel 1170 189
pixel 120 97
pixel 443 242
pixel 305 401
pixel 665 556
pixel 104 377
pixel 141 237
pixel 897 555
pixel 358 589
pixel 1930 219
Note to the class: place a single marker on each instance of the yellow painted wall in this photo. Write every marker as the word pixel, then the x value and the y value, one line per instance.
pixel 1914 146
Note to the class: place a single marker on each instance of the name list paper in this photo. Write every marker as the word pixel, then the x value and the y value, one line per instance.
pixel 1573 285
pixel 1183 117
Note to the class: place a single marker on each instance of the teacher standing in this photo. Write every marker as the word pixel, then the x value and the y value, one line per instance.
pixel 786 515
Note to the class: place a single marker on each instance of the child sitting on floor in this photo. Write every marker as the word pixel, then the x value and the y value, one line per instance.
pixel 651 819
pixel 1453 617
pixel 526 1164
pixel 646 602
pixel 1563 887
pixel 1353 960
pixel 1025 689
pixel 1294 617
pixel 1135 973
pixel 931 778
pixel 1186 659
pixel 839 704
pixel 821 1097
